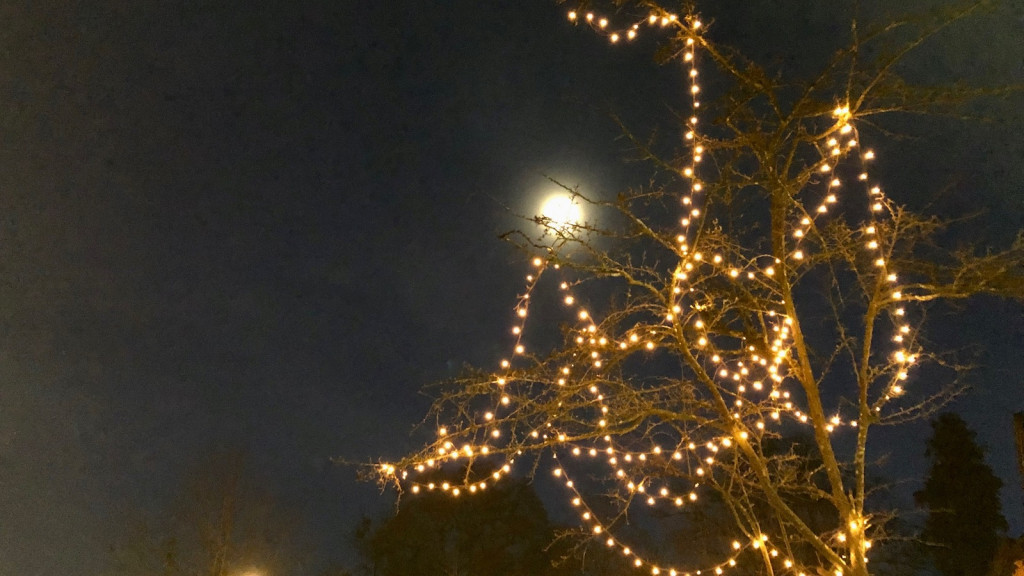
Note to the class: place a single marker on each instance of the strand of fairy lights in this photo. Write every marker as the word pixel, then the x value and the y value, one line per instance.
pixel 604 26
pixel 446 451
pixel 905 353
pixel 599 530
pixel 740 372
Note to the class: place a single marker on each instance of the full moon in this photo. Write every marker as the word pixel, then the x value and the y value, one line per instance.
pixel 562 212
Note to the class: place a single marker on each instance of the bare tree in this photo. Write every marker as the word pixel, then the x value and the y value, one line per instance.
pixel 764 285
pixel 223 522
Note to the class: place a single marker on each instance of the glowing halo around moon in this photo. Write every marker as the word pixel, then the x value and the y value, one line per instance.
pixel 562 213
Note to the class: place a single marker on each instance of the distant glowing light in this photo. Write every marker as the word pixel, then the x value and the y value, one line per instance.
pixel 561 212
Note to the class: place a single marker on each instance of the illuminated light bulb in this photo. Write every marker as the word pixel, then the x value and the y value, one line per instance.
pixel 603 22
pixel 638 562
pixel 614 38
pixel 520 349
pixel 869 155
pixel 521 312
pixel 697 186
pixel 799 255
pixel 572 15
pixel 825 167
pixel 631 34
pixel 863 176
pixel 584 315
pixel 597 529
pixel 688 56
pixel 626 551
pixel 694 89
pixel 845 129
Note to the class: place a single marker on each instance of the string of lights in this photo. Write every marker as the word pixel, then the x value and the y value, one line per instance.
pixel 752 378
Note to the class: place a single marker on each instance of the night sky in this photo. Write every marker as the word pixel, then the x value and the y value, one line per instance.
pixel 266 225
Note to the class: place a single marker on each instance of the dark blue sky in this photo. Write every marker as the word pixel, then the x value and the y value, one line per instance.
pixel 268 224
